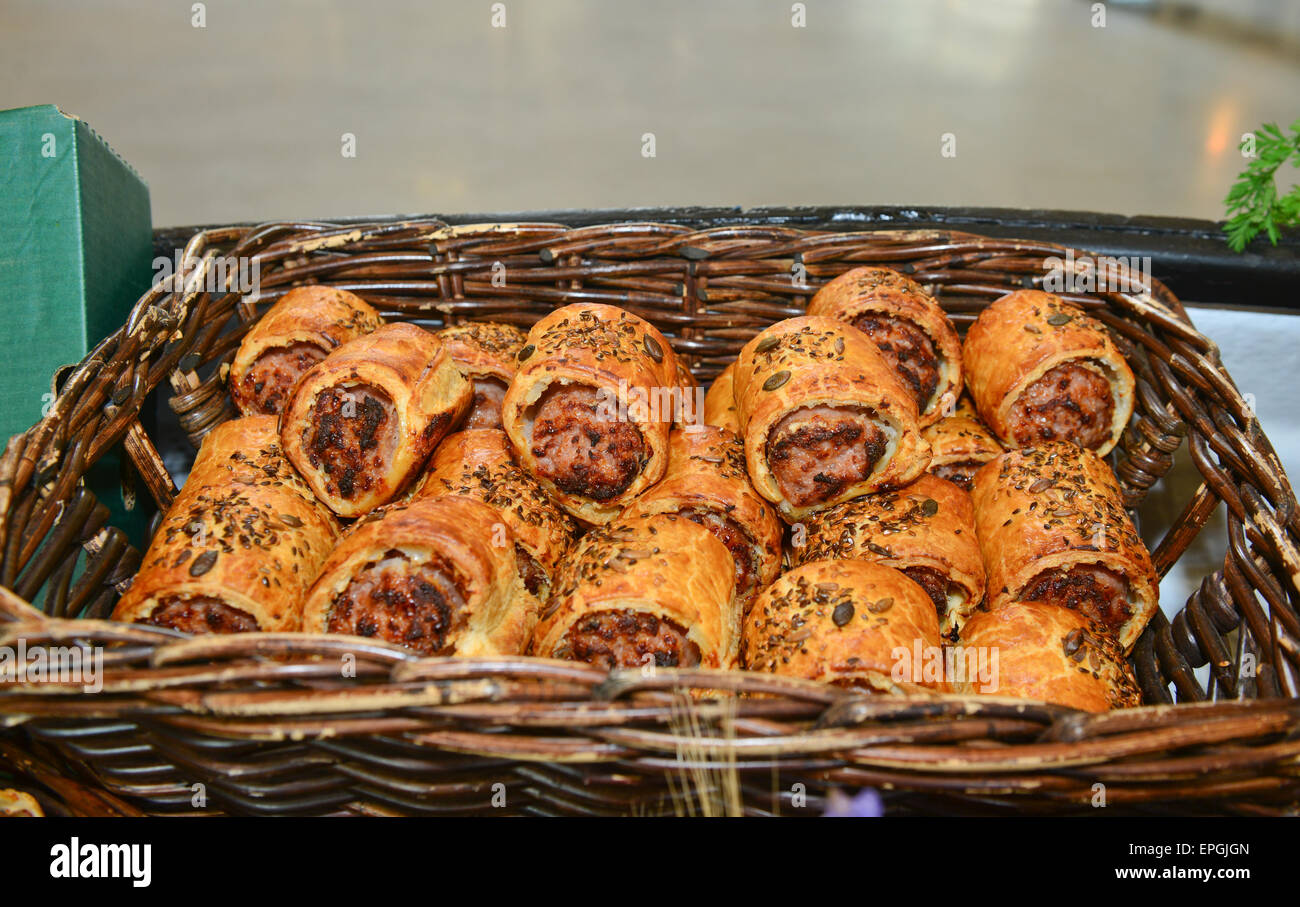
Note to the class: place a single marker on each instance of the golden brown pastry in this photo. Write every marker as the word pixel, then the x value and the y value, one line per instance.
pixel 959 445
pixel 301 329
pixel 850 623
pixel 480 464
pixel 17 804
pixel 362 423
pixel 1051 654
pixel 907 326
pixel 240 545
pixel 486 353
pixel 824 417
pixel 437 576
pixel 688 409
pixel 706 482
pixel 720 402
pixel 654 590
pixel 926 530
pixel 1039 369
pixel 590 408
pixel 1052 528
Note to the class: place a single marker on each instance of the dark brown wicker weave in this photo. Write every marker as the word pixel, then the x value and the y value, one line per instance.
pixel 267 724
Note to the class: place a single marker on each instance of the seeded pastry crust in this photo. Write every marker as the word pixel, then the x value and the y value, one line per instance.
pixel 819 365
pixel 881 298
pixel 843 622
pixel 1051 654
pixel 240 545
pixel 308 323
pixel 1045 511
pixel 587 352
pixel 480 464
pixel 484 607
pixel 706 475
pixel 926 529
pixel 1021 337
pixel 487 353
pixel 960 444
pixel 406 395
pixel 663 566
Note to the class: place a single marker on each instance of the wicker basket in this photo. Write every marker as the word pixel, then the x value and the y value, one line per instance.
pixel 266 724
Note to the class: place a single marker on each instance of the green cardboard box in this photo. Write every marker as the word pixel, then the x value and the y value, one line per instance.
pixel 76 246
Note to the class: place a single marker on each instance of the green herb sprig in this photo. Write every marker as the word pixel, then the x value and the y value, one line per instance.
pixel 1253 203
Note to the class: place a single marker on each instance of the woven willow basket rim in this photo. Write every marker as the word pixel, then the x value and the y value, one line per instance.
pixel 267 722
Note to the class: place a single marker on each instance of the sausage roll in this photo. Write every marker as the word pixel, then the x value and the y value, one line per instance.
pixel 1039 369
pixel 590 408
pixel 824 417
pixel 437 576
pixel 486 353
pixel 1052 527
pixel 300 330
pixel 926 530
pixel 959 445
pixel 720 402
pixel 1051 654
pixel 706 482
pixel 907 326
pixel 478 464
pixel 240 545
pixel 361 423
pixel 850 623
pixel 644 590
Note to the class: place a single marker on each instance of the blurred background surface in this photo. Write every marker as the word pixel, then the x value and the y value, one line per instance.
pixel 244 118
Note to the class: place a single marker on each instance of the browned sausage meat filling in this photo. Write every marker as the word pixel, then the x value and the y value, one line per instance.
pixel 416 605
pixel 581 445
pixel 934 583
pixel 960 474
pixel 200 614
pixel 350 437
pixel 623 639
pixel 1090 589
pixel 531 572
pixel 271 379
pixel 1071 402
pixel 818 451
pixel 728 531
pixel 485 408
pixel 908 350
